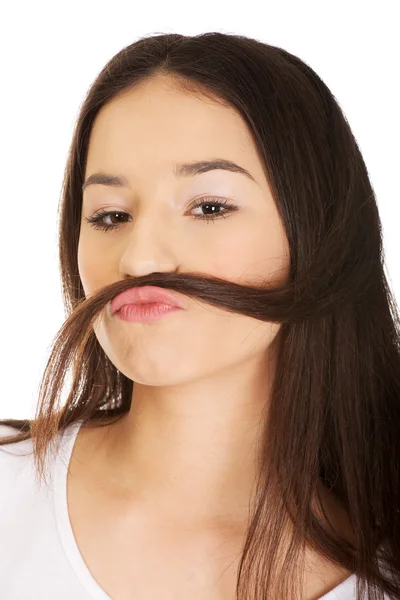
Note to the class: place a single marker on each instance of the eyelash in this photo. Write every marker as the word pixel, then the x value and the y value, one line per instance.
pixel 95 220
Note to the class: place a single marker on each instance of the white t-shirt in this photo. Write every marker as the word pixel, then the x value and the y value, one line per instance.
pixel 39 557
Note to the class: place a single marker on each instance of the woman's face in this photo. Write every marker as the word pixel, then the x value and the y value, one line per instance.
pixel 142 136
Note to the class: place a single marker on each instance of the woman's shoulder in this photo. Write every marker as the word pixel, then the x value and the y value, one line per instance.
pixel 16 466
pixel 21 447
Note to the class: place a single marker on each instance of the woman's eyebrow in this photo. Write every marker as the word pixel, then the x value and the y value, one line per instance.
pixel 180 170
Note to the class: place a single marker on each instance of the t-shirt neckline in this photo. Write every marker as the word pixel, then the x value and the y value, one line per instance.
pixel 64 526
pixel 67 536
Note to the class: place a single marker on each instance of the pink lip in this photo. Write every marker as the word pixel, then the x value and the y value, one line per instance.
pixel 145 313
pixel 146 295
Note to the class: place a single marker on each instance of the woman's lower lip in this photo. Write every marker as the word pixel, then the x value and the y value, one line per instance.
pixel 144 312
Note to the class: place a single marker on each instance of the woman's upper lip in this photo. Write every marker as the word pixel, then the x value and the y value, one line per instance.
pixel 147 294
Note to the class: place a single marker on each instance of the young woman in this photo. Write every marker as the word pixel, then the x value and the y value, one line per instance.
pixel 232 426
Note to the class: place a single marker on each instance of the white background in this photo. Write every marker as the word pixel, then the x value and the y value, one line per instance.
pixel 51 53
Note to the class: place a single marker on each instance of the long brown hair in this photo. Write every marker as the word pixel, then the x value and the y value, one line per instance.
pixel 334 413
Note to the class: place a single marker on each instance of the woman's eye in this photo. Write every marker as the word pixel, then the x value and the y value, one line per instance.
pixel 211 206
pixel 97 220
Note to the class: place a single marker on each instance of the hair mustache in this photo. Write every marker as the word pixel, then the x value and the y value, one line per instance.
pixel 263 302
pixel 317 293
